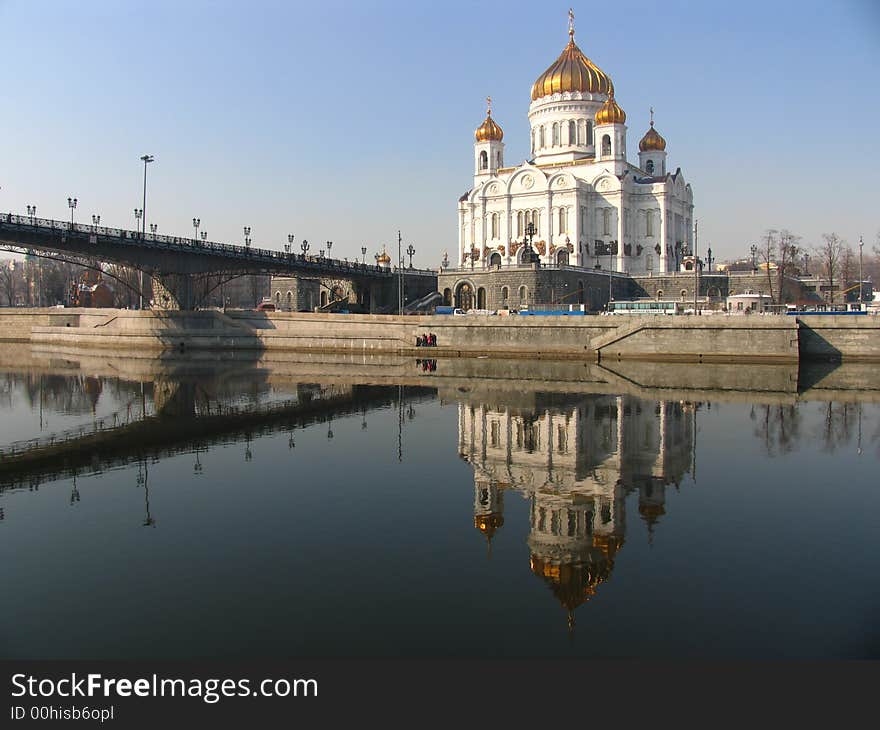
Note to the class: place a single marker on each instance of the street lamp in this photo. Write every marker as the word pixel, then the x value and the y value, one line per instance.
pixel 289 244
pixel 321 253
pixel 146 159
pixel 32 212
pixel 196 223
pixel 364 254
pixel 204 235
pixel 71 203
pixel 247 234
pixel 153 228
pixel 305 247
pixel 329 246
pixel 410 250
pixel 754 250
pixel 861 245
pixel 138 214
pixel 96 221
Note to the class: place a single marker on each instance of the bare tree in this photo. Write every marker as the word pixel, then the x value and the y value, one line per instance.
pixel 768 254
pixel 788 253
pixel 829 253
pixel 848 268
pixel 9 276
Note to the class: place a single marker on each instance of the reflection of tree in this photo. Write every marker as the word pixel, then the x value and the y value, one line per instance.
pixel 839 422
pixel 778 427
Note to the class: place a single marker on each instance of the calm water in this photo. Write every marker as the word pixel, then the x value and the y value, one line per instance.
pixel 198 509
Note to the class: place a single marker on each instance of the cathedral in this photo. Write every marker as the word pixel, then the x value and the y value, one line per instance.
pixel 578 202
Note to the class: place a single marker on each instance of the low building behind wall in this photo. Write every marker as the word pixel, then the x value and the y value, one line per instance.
pixel 515 287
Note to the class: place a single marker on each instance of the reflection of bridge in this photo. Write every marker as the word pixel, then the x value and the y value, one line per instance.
pixel 185 267
pixel 178 430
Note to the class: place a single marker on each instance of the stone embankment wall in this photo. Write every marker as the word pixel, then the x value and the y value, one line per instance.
pixel 711 338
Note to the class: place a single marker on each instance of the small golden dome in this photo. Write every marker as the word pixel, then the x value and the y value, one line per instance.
pixel 652 139
pixel 383 258
pixel 572 71
pixel 610 113
pixel 489 129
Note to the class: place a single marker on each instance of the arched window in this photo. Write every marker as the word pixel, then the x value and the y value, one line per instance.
pixel 495 260
pixel 659 294
pixel 523 293
pixel 572 133
pixel 447 296
pixel 589 133
pixel 580 292
pixel 606 221
pixel 481 298
pixel 494 226
pixel 562 257
pixel 505 293
pixel 484 160
pixel 277 298
pixel 606 145
pixel 541 137
pixel 555 133
pixel 533 143
pixel 563 220
pixel 581 133
pixel 649 262
pixel 649 167
pixel 289 300
pixel 498 160
pixel 683 293
pixel 649 222
pixel 323 299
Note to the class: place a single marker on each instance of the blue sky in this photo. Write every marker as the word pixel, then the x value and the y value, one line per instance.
pixel 349 121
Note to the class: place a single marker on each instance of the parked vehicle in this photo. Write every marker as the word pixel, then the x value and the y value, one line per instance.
pixel 266 307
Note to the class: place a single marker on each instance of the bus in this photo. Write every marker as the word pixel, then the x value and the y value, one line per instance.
pixel 646 306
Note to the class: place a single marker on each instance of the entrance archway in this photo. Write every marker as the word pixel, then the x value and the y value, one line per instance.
pixel 562 257
pixel 495 260
pixel 447 297
pixel 464 296
pixel 481 298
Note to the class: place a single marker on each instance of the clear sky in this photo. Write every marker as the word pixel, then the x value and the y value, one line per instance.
pixel 347 121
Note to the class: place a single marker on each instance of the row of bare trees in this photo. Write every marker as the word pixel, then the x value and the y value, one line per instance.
pixel 834 259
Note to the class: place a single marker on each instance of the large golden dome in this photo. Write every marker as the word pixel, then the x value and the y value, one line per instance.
pixel 652 139
pixel 610 113
pixel 572 71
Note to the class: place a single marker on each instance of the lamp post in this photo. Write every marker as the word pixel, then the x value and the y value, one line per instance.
pixel 399 275
pixel 146 159
pixel 71 203
pixel 32 212
pixel 696 268
pixel 305 247
pixel 329 246
pixel 96 221
pixel 289 245
pixel 364 254
pixel 153 228
pixel 806 264
pixel 861 245
pixel 204 235
pixel 247 236
pixel 754 250
pixel 138 214
pixel 410 250
pixel 196 223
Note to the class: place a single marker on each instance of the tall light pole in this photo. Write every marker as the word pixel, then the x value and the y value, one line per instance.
pixel 399 275
pixel 410 250
pixel 146 159
pixel 696 267
pixel 138 214
pixel 861 245
pixel 71 203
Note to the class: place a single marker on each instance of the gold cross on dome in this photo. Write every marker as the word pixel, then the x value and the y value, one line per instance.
pixel 652 116
pixel 489 105
pixel 571 23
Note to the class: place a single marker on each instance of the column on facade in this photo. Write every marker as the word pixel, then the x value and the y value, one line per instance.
pixel 664 261
pixel 549 236
pixel 621 260
pixel 506 226
pixel 575 227
pixel 462 235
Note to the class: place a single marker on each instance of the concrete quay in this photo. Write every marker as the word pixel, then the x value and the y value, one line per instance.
pixel 709 338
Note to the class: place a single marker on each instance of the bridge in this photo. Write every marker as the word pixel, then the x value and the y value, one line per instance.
pixel 189 269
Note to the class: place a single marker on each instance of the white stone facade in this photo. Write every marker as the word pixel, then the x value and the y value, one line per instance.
pixel 577 189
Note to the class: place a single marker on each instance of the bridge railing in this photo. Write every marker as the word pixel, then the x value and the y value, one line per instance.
pixel 129 237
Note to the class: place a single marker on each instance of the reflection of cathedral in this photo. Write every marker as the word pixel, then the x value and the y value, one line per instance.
pixel 575 459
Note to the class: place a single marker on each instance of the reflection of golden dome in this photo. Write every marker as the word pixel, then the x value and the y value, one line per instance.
pixel 610 113
pixel 652 140
pixel 488 524
pixel 572 71
pixel 573 583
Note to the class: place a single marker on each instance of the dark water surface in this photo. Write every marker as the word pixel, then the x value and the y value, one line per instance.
pixel 199 509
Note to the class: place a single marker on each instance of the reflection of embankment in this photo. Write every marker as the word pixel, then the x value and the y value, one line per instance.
pixel 177 432
pixel 666 381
